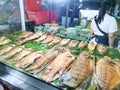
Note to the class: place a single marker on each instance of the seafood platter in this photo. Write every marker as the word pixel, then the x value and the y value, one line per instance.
pixel 57 63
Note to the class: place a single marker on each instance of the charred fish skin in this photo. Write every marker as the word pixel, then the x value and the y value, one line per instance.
pixel 107 74
pixel 20 55
pixel 29 59
pixel 12 52
pixel 44 59
pixel 80 70
pixel 6 49
pixel 57 67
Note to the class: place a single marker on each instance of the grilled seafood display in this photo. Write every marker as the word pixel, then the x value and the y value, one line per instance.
pixel 2 38
pixel 24 35
pixel 20 55
pixel 6 49
pixel 56 40
pixel 41 38
pixel 81 45
pixel 47 57
pixel 64 41
pixel 102 49
pixel 80 70
pixel 31 37
pixel 91 46
pixel 48 39
pixel 12 52
pixel 73 43
pixel 5 41
pixel 57 67
pixel 107 74
pixel 26 61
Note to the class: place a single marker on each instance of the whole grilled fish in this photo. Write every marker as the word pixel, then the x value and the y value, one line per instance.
pixel 64 41
pixel 80 70
pixel 57 67
pixel 31 37
pixel 26 61
pixel 2 38
pixel 24 35
pixel 107 74
pixel 82 45
pixel 20 55
pixel 47 57
pixel 41 38
pixel 6 49
pixel 12 52
pixel 73 43
pixel 5 41
pixel 48 39
pixel 91 46
pixel 56 40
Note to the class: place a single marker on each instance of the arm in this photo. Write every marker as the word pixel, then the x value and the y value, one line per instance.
pixel 111 39
pixel 92 33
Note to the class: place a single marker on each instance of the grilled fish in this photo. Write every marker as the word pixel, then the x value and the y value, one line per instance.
pixel 56 40
pixel 12 52
pixel 24 35
pixel 6 49
pixel 26 61
pixel 5 41
pixel 20 55
pixel 80 70
pixel 57 67
pixel 73 43
pixel 48 39
pixel 31 37
pixel 107 74
pixel 2 38
pixel 64 41
pixel 47 57
pixel 91 46
pixel 41 38
pixel 82 45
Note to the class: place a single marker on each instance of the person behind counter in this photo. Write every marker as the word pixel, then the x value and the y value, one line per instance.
pixel 103 26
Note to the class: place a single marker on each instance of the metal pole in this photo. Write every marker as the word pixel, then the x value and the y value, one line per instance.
pixel 21 4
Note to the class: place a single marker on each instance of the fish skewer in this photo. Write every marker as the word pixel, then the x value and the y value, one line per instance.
pixel 31 37
pixel 41 38
pixel 64 41
pixel 20 55
pixel 57 67
pixel 80 70
pixel 2 38
pixel 29 59
pixel 81 45
pixel 56 40
pixel 107 74
pixel 5 41
pixel 6 49
pixel 12 52
pixel 73 43
pixel 24 35
pixel 48 39
pixel 47 57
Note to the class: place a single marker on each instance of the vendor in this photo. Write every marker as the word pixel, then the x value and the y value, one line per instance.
pixel 103 26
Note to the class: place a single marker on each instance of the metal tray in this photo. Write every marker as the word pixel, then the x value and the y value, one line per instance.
pixel 22 81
